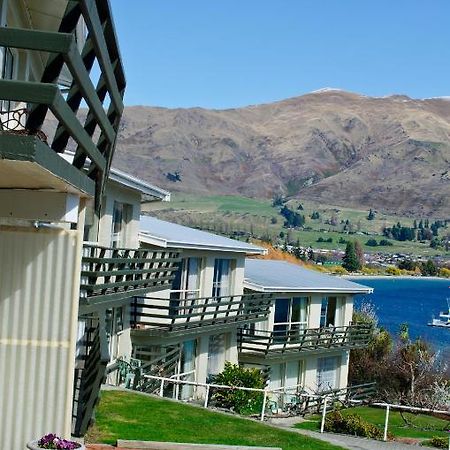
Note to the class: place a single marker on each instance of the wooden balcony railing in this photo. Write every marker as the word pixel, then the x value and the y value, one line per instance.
pixel 89 380
pixel 110 275
pixel 41 96
pixel 156 316
pixel 274 343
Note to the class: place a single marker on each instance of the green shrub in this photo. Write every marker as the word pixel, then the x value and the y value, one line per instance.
pixel 352 424
pixel 243 402
pixel 437 442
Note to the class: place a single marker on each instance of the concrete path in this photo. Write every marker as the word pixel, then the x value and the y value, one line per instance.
pixel 349 442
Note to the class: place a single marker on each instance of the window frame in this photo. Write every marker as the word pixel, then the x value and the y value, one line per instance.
pixel 291 326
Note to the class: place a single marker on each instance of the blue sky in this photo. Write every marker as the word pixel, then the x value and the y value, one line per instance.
pixel 230 53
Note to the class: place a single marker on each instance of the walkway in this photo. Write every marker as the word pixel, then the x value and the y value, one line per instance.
pixel 345 441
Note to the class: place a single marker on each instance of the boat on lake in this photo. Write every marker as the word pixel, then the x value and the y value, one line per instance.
pixel 444 318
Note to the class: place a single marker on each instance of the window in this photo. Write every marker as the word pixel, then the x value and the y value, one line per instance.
pixel 122 215
pixel 291 316
pixel 186 284
pixel 289 375
pixel 113 325
pixel 187 366
pixel 222 278
pixel 328 312
pixel 216 353
pixel 187 279
pixel 328 373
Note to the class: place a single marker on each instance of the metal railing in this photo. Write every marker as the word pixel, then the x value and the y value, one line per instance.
pixel 44 95
pixel 113 274
pixel 303 398
pixel 151 315
pixel 309 339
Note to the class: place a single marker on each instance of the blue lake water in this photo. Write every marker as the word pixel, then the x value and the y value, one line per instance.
pixel 414 301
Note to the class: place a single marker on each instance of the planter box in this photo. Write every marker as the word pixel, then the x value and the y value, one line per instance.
pixel 33 445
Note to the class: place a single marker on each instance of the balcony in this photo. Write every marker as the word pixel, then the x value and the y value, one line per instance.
pixel 28 158
pixel 111 275
pixel 273 344
pixel 170 318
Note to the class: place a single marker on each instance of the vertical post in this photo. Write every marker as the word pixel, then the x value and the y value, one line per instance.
pixel 161 389
pixel 386 422
pixel 205 405
pixel 324 413
pixel 177 387
pixel 263 409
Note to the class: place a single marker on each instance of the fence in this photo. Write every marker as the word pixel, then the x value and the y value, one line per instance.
pixel 303 398
pixel 388 407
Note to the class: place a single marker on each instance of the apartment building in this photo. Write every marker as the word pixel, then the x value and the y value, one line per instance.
pixel 190 330
pixel 306 340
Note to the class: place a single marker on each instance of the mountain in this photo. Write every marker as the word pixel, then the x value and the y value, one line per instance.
pixel 330 146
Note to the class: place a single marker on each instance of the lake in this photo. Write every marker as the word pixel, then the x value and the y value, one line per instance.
pixel 410 300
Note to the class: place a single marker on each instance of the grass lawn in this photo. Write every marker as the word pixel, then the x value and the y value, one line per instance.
pixel 427 426
pixel 123 415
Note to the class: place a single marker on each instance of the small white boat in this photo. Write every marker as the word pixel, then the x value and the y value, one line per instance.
pixel 443 320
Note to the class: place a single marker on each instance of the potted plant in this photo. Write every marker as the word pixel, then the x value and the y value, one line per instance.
pixel 51 441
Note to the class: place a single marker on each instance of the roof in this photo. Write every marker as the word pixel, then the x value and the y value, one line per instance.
pixel 171 235
pixel 265 275
pixel 138 184
pixel 127 180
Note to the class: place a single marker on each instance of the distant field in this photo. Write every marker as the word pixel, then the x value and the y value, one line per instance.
pixel 222 203
pixel 226 214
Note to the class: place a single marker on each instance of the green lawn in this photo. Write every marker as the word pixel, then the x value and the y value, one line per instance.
pixel 123 415
pixel 425 426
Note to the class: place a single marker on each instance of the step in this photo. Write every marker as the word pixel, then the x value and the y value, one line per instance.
pixel 153 445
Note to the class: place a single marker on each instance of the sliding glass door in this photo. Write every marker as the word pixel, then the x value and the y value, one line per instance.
pixel 291 316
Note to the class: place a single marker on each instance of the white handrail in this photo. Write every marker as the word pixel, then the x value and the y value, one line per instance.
pixel 178 375
pixel 266 392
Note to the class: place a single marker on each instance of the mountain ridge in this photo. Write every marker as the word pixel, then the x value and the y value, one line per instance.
pixel 389 153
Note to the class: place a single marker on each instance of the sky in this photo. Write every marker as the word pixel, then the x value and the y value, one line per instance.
pixel 230 53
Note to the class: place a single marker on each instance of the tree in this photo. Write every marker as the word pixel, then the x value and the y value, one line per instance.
pixel 371 214
pixel 372 243
pixel 429 269
pixel 350 260
pixel 359 253
pixel 278 200
pixel 409 372
pixel 243 402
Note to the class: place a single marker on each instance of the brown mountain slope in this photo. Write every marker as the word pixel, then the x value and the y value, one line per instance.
pixel 335 147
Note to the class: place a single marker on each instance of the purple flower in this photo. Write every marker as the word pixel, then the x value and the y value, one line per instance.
pixel 52 441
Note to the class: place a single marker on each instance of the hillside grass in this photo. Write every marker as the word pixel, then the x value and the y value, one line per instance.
pixel 226 213
pixel 425 426
pixel 130 416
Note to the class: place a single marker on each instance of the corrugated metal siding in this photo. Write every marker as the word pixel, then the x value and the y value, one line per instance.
pixel 38 282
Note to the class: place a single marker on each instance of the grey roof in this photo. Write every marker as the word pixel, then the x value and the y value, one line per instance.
pixel 266 275
pixel 138 184
pixel 171 235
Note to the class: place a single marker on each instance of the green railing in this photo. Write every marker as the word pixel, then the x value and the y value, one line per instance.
pixel 158 316
pixel 273 343
pixel 89 380
pixel 110 275
pixel 93 152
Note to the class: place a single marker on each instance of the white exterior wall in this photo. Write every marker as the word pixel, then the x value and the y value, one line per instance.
pixel 344 312
pixel 117 193
pixel 39 293
pixel 206 286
